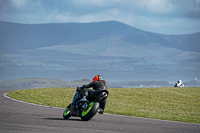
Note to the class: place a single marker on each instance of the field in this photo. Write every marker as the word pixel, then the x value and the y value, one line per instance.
pixel 176 104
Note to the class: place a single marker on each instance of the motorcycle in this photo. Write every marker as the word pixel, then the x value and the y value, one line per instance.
pixel 85 108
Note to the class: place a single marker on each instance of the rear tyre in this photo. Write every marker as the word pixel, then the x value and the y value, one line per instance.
pixel 90 112
pixel 66 113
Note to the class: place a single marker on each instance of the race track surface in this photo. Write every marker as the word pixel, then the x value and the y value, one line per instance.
pixel 16 117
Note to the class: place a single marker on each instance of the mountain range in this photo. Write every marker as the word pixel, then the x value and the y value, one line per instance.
pixel 30 83
pixel 118 52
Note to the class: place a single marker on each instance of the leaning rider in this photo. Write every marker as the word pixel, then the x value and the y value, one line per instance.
pixel 97 84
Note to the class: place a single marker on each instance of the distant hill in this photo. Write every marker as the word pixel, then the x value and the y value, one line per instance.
pixel 192 83
pixel 29 83
pixel 119 52
pixel 15 37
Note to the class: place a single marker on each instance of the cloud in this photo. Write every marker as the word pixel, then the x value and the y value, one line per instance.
pixel 162 16
pixel 98 3
pixel 157 6
pixel 19 3
pixel 90 2
pixel 197 4
pixel 193 15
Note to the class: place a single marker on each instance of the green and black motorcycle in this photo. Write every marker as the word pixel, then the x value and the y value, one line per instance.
pixel 87 107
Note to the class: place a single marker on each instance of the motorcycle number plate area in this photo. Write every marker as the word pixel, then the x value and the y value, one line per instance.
pixel 90 107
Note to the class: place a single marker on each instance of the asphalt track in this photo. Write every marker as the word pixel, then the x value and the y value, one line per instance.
pixel 17 117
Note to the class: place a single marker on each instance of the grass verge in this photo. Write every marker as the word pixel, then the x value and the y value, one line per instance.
pixel 176 104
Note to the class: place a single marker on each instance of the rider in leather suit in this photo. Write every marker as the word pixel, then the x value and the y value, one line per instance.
pixel 97 84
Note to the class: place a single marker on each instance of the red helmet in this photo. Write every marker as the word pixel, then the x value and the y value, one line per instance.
pixel 97 77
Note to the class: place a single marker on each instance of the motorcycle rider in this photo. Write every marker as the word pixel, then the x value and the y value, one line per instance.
pixel 97 84
pixel 179 84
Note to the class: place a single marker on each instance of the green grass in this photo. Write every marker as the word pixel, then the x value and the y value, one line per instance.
pixel 177 104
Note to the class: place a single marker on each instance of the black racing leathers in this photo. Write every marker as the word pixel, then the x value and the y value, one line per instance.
pixel 96 85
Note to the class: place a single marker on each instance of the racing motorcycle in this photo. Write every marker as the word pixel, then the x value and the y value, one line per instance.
pixel 85 108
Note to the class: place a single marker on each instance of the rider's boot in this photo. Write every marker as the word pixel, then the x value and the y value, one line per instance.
pixel 100 111
pixel 102 107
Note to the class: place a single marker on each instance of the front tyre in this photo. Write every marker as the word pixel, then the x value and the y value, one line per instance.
pixel 90 112
pixel 66 113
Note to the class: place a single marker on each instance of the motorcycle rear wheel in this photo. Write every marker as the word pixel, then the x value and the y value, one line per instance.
pixel 90 112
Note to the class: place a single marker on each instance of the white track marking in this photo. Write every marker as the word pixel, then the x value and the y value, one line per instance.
pixel 5 95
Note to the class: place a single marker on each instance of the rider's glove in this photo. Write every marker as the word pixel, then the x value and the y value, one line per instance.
pixel 79 89
pixel 84 86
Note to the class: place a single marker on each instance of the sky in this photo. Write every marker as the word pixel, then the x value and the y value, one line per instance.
pixel 158 16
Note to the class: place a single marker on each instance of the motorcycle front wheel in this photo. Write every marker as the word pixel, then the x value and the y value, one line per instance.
pixel 66 113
